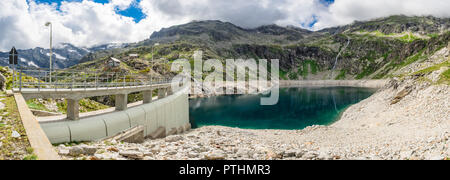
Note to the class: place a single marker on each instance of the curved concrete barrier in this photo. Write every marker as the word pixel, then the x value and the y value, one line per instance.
pixel 57 132
pixel 150 118
pixel 171 112
pixel 137 116
pixel 87 130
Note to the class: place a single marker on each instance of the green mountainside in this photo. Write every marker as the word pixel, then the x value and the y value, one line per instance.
pixel 375 48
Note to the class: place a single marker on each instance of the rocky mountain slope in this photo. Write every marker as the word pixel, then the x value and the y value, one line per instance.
pixel 368 50
pixel 407 119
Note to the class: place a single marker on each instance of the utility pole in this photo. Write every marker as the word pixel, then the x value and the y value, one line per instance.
pixel 49 24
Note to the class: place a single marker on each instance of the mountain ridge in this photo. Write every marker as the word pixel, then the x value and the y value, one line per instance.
pixel 64 55
pixel 376 48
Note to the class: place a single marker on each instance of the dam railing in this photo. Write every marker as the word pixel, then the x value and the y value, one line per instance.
pixel 73 85
pixel 41 78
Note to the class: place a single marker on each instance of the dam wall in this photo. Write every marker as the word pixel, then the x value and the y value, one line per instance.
pixel 170 113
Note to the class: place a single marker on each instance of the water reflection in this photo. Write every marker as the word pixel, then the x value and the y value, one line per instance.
pixel 296 109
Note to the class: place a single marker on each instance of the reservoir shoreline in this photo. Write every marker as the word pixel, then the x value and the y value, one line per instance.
pixel 334 83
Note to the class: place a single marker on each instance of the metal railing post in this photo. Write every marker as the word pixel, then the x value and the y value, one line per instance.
pixel 95 84
pixel 39 80
pixel 20 79
pixel 54 82
pixel 13 76
pixel 45 78
pixel 85 77
pixel 73 81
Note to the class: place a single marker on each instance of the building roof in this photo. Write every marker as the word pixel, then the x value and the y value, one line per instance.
pixel 115 59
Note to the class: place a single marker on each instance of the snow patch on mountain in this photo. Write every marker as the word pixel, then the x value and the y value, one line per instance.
pixel 65 54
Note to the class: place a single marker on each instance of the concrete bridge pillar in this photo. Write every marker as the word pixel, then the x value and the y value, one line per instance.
pixel 169 91
pixel 148 96
pixel 162 93
pixel 73 109
pixel 121 102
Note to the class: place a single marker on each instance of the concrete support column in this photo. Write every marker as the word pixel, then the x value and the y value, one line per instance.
pixel 169 91
pixel 148 96
pixel 73 109
pixel 121 102
pixel 162 93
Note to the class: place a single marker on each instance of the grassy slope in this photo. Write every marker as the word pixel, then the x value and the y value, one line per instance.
pixel 13 148
pixel 444 78
pixel 86 105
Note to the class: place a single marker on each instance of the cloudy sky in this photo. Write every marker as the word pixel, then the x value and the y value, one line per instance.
pixel 90 22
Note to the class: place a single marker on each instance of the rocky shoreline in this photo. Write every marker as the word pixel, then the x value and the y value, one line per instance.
pixel 336 83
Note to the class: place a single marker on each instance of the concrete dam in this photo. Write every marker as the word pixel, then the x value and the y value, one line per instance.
pixel 170 113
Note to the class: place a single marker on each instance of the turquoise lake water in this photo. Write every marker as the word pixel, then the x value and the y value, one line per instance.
pixel 297 108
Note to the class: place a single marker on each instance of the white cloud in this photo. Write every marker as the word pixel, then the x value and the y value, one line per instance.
pixel 122 4
pixel 248 13
pixel 346 11
pixel 86 23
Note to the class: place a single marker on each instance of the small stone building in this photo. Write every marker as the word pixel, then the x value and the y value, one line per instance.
pixel 133 56
pixel 113 62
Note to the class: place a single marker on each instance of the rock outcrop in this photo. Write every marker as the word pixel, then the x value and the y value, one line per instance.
pixel 2 82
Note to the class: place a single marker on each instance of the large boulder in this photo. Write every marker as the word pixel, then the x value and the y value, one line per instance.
pixel 132 155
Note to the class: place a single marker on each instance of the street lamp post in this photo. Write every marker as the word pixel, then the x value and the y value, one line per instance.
pixel 49 24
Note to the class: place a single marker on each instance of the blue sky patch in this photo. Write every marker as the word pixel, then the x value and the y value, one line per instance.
pixel 314 17
pixel 327 2
pixel 134 11
pixel 311 23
